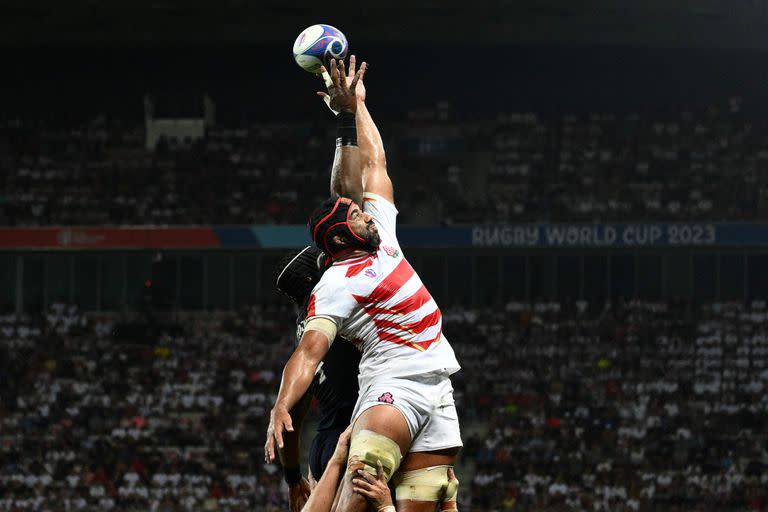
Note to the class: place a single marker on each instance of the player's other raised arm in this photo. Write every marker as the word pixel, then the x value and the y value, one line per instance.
pixel 346 172
pixel 372 156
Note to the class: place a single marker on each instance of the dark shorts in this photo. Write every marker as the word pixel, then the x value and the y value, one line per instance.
pixel 323 446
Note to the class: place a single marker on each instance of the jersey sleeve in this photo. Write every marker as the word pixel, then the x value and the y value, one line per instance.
pixel 383 212
pixel 331 299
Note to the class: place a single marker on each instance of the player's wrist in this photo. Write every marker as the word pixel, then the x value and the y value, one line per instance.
pixel 384 502
pixel 338 459
pixel 346 129
pixel 292 476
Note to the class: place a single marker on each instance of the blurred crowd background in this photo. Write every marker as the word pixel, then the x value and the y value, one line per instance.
pixel 709 163
pixel 621 406
pixel 595 377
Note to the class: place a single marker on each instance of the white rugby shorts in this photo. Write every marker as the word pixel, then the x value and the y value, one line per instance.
pixel 427 403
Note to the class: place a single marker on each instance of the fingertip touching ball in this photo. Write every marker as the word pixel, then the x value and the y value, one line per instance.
pixel 318 44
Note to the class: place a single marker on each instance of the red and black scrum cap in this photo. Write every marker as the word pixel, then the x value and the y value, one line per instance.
pixel 330 219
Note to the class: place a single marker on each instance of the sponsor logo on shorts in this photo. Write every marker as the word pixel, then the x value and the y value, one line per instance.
pixel 370 273
pixel 391 251
pixel 386 398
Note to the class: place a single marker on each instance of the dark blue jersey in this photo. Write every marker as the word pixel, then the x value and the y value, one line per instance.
pixel 335 384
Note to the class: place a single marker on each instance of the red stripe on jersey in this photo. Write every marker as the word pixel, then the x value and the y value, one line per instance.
pixel 426 322
pixel 418 345
pixel 390 285
pixel 407 305
pixel 415 328
pixel 355 269
pixel 311 306
pixel 414 302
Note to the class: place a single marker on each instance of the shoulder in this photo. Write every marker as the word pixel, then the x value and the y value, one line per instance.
pixel 345 279
pixel 373 201
pixel 332 281
pixel 332 297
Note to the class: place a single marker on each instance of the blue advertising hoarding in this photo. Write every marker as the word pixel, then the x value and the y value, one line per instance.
pixel 510 236
pixel 630 235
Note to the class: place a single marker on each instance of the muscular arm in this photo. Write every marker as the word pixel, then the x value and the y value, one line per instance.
pixel 346 92
pixel 300 368
pixel 361 169
pixel 372 156
pixel 347 174
pixel 297 376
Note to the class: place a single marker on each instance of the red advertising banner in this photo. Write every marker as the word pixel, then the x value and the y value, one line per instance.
pixel 108 238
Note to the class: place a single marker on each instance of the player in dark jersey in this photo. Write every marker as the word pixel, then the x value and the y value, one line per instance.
pixel 334 386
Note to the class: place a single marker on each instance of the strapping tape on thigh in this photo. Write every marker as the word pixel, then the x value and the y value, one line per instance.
pixel 427 484
pixel 368 447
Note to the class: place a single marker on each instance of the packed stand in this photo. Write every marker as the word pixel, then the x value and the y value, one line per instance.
pixel 98 414
pixel 518 167
pixel 629 407
pixel 102 174
pixel 635 407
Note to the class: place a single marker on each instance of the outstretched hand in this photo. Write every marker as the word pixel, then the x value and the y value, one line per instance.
pixel 360 89
pixel 342 92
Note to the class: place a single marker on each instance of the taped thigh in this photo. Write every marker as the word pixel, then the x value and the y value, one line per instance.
pixel 427 484
pixel 367 447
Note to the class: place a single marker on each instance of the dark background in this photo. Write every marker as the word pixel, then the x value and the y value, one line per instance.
pixel 104 56
pixel 634 371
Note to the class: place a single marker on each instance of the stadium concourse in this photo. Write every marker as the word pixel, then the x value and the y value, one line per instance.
pixel 630 406
pixel 688 165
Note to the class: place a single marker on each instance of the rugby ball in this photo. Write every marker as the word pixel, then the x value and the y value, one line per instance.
pixel 318 44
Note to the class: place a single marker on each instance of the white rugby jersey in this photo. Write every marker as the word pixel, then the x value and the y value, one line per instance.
pixel 379 304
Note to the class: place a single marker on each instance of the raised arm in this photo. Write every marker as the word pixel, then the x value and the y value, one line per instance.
pixel 372 156
pixel 346 173
pixel 297 376
pixel 361 168
pixel 343 88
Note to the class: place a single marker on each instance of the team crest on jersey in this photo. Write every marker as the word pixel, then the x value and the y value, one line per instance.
pixel 386 398
pixel 370 273
pixel 391 251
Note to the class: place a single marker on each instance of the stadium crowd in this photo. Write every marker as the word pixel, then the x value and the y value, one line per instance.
pixel 517 167
pixel 630 406
pixel 635 406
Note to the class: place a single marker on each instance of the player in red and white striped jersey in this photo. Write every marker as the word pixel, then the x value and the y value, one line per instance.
pixel 372 297
pixel 379 303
